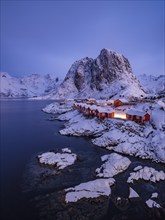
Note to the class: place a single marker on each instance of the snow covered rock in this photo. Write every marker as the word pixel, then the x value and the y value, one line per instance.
pixel 137 168
pixel 114 164
pixel 92 189
pixel 154 195
pixel 58 107
pixel 128 137
pixel 151 204
pixel 60 160
pixel 147 174
pixel 68 115
pixel 109 74
pixel 28 86
pixel 132 193
pixel 80 126
pixel 66 150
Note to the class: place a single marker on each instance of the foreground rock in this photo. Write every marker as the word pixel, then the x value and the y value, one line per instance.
pixel 132 193
pixel 53 207
pixel 60 160
pixel 151 204
pixel 147 174
pixel 92 189
pixel 114 164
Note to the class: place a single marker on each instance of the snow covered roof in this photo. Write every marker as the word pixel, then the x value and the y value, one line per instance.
pixel 104 110
pixel 94 107
pixel 101 101
pixel 110 101
pixel 83 105
pixel 136 112
pixel 91 99
pixel 122 100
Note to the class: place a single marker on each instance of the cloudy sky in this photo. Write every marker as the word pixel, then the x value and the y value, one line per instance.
pixel 48 36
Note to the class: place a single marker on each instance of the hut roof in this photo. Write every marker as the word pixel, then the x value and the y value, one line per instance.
pixel 136 112
pixel 122 100
pixel 105 110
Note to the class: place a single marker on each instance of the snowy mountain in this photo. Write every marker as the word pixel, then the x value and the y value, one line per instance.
pixel 153 84
pixel 108 75
pixel 28 86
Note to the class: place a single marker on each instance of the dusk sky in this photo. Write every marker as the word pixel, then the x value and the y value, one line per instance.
pixel 48 36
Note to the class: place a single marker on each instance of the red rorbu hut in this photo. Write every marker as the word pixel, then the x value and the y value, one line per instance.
pixel 120 115
pixel 87 111
pixel 104 113
pixel 137 116
pixel 119 102
pixel 93 110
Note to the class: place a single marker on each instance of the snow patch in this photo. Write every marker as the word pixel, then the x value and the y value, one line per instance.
pixel 114 164
pixel 61 160
pixel 91 189
pixel 80 126
pixel 133 193
pixel 147 174
pixel 58 107
pixel 151 204
pixel 154 195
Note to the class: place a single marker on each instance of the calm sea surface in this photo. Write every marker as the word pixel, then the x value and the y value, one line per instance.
pixel 26 132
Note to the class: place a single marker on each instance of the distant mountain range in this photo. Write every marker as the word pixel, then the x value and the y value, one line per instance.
pixel 153 84
pixel 109 75
pixel 28 86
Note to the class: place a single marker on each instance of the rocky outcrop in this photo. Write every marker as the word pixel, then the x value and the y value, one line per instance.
pixel 108 75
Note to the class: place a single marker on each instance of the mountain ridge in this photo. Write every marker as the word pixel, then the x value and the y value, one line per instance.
pixel 109 75
pixel 27 86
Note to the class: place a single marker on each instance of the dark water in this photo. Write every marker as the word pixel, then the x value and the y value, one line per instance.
pixel 25 132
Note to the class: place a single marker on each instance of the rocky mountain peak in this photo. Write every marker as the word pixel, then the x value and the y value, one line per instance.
pixel 114 61
pixel 108 75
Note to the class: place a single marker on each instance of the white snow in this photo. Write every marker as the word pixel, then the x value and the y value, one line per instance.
pixel 80 126
pixel 114 164
pixel 66 150
pixel 151 203
pixel 154 195
pixel 91 189
pixel 28 86
pixel 126 137
pixel 152 84
pixel 147 174
pixel 133 193
pixel 61 160
pixel 58 107
pixel 144 141
pixel 68 115
pixel 81 80
pixel 137 168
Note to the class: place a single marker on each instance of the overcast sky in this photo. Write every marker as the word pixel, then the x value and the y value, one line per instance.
pixel 48 36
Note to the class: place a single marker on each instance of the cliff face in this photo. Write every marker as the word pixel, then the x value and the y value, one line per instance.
pixel 108 75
